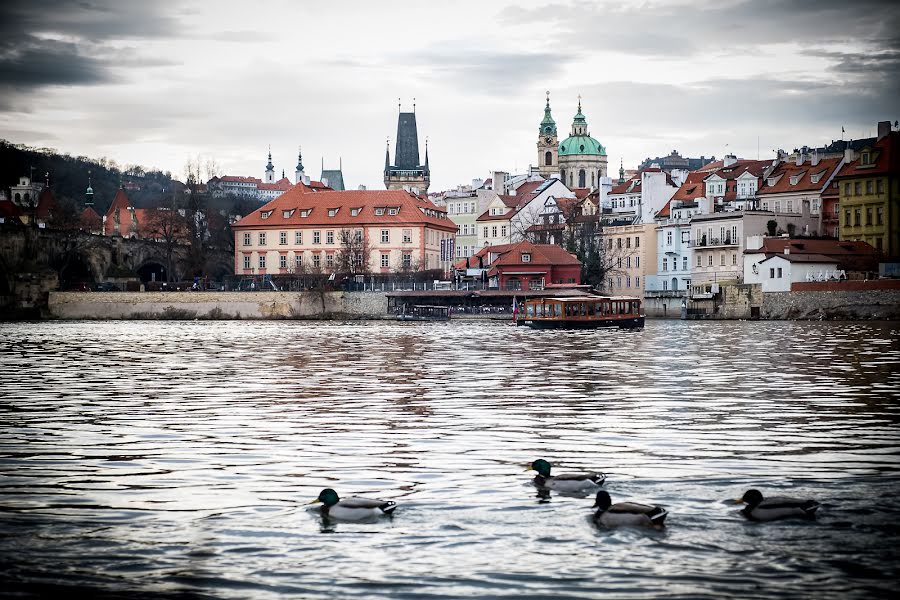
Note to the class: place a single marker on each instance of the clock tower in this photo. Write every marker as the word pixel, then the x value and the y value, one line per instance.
pixel 548 145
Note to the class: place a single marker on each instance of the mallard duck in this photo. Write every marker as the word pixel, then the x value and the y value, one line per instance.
pixel 770 509
pixel 352 509
pixel 628 513
pixel 574 483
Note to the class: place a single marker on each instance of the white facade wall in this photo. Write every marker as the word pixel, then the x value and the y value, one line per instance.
pixel 777 274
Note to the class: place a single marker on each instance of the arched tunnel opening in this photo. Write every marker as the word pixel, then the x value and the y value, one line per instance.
pixel 152 271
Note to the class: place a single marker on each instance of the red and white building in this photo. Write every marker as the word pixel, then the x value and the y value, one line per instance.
pixel 524 266
pixel 302 231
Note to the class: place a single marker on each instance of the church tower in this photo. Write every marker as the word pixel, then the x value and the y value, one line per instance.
pixel 406 172
pixel 270 169
pixel 298 172
pixel 547 144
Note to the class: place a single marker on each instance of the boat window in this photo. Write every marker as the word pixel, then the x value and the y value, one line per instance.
pixel 529 310
pixel 582 308
pixel 539 310
pixel 590 309
pixel 557 310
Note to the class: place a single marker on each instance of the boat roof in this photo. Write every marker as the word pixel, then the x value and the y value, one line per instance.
pixel 585 298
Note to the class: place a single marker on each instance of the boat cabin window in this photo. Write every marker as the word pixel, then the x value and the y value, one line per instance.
pixel 529 310
pixel 557 310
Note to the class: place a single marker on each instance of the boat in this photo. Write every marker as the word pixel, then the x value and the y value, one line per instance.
pixel 581 312
pixel 424 312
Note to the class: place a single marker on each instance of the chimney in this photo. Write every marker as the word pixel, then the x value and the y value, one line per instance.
pixel 814 159
pixel 799 158
pixel 787 249
pixel 361 188
pixel 849 154
pixel 306 179
pixel 729 160
pixel 884 128
pixel 499 182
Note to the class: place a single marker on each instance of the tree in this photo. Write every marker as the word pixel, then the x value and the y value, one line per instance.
pixel 167 226
pixel 612 258
pixel 353 253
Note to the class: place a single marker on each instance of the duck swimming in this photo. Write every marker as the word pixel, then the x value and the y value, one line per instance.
pixel 352 509
pixel 771 509
pixel 573 483
pixel 627 513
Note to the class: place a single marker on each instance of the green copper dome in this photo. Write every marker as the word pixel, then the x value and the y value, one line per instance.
pixel 548 125
pixel 581 144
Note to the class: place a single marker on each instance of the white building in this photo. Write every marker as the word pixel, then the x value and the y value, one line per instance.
pixel 777 273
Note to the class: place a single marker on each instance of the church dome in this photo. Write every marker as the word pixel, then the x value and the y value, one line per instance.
pixel 581 144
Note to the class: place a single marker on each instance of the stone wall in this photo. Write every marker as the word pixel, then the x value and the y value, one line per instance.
pixel 738 298
pixel 839 305
pixel 217 305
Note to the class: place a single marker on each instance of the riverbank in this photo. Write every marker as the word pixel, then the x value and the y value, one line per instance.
pixel 853 305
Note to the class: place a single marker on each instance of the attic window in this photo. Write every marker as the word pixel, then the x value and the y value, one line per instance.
pixel 865 159
pixel 354 212
pixel 332 212
pixel 796 178
pixel 379 211
pixel 526 257
pixel 287 214
pixel 305 212
pixel 815 178
pixel 393 210
pixel 771 181
pixel 265 214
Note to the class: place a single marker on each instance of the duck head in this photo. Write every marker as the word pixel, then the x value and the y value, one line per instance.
pixel 541 466
pixel 751 498
pixel 603 501
pixel 328 497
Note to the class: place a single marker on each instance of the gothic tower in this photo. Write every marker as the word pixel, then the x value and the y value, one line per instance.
pixel 547 144
pixel 270 169
pixel 406 172
pixel 298 172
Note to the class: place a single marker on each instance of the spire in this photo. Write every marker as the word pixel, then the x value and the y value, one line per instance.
pixel 621 171
pixel 548 125
pixel 387 154
pixel 299 159
pixel 89 193
pixel 282 173
pixel 269 165
pixel 426 154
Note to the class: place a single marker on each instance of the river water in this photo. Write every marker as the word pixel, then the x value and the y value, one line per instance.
pixel 173 459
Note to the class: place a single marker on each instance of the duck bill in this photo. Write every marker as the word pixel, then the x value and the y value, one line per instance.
pixel 316 501
pixel 527 469
pixel 739 501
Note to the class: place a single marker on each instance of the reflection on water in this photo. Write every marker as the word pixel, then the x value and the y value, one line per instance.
pixel 176 457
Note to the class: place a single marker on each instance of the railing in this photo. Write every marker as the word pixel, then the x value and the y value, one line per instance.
pixel 705 242
pixel 665 293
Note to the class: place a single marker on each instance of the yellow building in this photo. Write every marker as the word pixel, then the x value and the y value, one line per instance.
pixel 869 188
pixel 628 256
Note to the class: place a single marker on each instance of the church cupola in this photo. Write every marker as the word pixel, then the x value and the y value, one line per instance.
pixel 579 123
pixel 621 172
pixel 548 144
pixel 270 169
pixel 298 172
pixel 548 125
pixel 89 193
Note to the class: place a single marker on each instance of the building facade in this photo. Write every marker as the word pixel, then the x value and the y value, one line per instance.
pixel 628 256
pixel 308 231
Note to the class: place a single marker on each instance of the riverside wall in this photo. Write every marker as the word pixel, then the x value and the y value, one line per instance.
pixel 217 305
pixel 851 305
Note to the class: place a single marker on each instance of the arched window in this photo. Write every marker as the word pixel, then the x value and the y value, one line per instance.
pixel 18 197
pixel 548 159
pixel 563 175
pixel 581 178
pixel 592 179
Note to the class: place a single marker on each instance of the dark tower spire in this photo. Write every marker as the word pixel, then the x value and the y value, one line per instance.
pixel 89 193
pixel 299 159
pixel 387 155
pixel 406 152
pixel 426 155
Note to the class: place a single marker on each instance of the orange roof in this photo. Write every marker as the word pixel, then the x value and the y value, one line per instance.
pixel 120 201
pixel 885 159
pixel 286 210
pixel 511 255
pixel 283 185
pixel 856 256
pixel 238 179
pixel 789 177
pixel 89 219
pixel 46 204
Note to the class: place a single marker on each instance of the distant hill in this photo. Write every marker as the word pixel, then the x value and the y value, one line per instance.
pixel 69 176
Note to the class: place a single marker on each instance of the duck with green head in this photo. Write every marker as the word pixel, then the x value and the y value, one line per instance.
pixel 777 507
pixel 572 483
pixel 627 513
pixel 352 509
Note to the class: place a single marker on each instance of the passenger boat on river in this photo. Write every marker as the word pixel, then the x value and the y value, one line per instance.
pixel 581 312
pixel 422 312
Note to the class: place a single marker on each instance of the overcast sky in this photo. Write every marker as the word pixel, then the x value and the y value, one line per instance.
pixel 154 83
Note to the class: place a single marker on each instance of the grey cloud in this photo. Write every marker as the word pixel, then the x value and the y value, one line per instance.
pixel 33 62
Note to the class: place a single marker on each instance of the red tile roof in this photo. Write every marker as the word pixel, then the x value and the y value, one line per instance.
pixel 9 209
pixel 282 185
pixel 46 204
pixel 852 256
pixel 238 179
pixel 511 255
pixel 412 209
pixel 885 159
pixel 785 172
pixel 90 220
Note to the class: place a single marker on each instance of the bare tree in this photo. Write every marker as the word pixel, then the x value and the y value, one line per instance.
pixel 353 254
pixel 613 258
pixel 166 225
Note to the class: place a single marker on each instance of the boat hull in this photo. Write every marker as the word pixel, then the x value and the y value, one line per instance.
pixel 629 323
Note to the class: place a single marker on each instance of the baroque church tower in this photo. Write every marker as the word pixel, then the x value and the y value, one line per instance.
pixel 547 144
pixel 270 168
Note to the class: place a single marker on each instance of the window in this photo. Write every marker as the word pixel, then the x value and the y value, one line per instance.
pixel 637 242
pixel 637 262
pixel 329 260
pixel 286 214
pixel 790 206
pixel 329 237
pixel 332 212
pixel 847 219
pixel 879 216
pixel 484 232
pixel 246 262
pixel 526 257
pixel 265 214
pixel 733 259
pixel 354 212
pixel 407 235
pixel 858 217
pixel 298 260
pixel 771 273
pixel 379 211
pixel 262 261
pixel 868 186
pixel 778 206
pixel 282 238
pixel 262 239
pixel 548 159
pixel 665 266
pixel 880 186
pixel 407 260
pixel 637 282
pixel 618 282
pixel 668 238
pixel 628 263
pixel 846 189
pixel 869 216
pixel 628 242
pixel 393 211
pixel 619 242
pixel 699 261
pixel 684 263
pixel 385 261
pixel 628 282
pixel 619 263
pixel 734 238
pixel 765 205
pixel 317 237
pixel 857 188
pixel 247 240
pixel 710 260
pixel 385 236
pixel 494 231
pixel 722 259
pixel 282 261
pixel 503 231
pixel 317 260
pixel 779 272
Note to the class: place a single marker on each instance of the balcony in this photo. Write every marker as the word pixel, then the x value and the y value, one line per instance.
pixel 706 242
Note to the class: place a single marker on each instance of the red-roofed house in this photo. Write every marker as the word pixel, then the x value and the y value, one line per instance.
pixel 796 186
pixel 779 262
pixel 525 266
pixel 319 231
pixel 124 219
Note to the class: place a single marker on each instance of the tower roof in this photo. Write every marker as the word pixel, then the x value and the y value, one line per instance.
pixel 548 125
pixel 406 151
pixel 269 165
